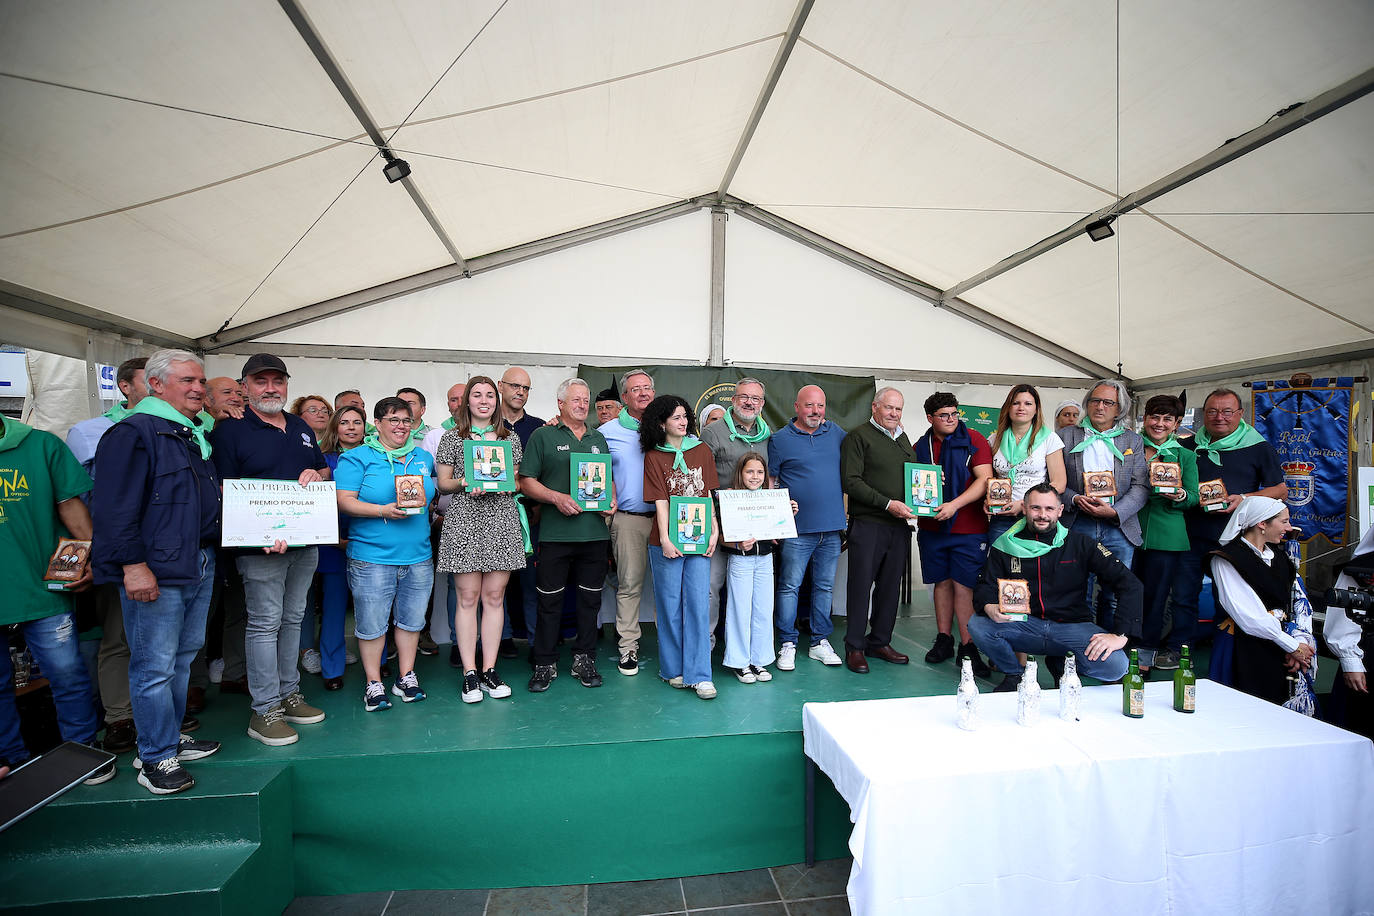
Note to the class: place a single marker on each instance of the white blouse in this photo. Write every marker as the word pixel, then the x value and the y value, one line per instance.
pixel 1245 607
pixel 1033 470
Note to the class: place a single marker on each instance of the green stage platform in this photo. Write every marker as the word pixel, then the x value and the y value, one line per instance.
pixel 630 781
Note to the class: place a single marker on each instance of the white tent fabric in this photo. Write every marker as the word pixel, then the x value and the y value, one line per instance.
pixel 168 169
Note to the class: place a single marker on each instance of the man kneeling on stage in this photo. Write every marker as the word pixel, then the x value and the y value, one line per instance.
pixel 1054 563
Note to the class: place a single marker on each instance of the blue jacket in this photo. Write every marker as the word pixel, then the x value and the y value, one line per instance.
pixel 157 502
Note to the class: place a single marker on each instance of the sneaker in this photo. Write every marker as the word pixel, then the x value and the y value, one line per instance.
pixel 542 677
pixel 310 661
pixel 407 687
pixel 102 775
pixel 472 687
pixel 455 658
pixel 188 749
pixel 166 777
pixel 374 697
pixel 787 657
pixel 970 651
pixel 584 669
pixel 629 662
pixel 120 736
pixel 706 690
pixel 1166 660
pixel 299 712
pixel 189 723
pixel 272 728
pixel 506 648
pixel 745 675
pixel 350 657
pixel 492 684
pixel 824 653
pixel 216 670
pixel 942 650
pixel 676 683
pixel 761 673
pixel 427 645
pixel 1009 684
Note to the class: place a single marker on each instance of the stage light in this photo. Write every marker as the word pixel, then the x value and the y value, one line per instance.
pixel 1102 229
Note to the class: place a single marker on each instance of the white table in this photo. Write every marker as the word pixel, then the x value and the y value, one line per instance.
pixel 1243 807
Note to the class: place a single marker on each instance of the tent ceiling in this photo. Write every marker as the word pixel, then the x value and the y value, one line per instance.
pixel 177 165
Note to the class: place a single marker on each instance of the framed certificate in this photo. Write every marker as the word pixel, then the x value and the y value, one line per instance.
pixel 590 476
pixel 925 488
pixel 256 513
pixel 488 465
pixel 689 523
pixel 761 515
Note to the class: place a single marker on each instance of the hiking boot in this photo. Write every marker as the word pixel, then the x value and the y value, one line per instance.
pixel 542 677
pixel 272 728
pixel 584 669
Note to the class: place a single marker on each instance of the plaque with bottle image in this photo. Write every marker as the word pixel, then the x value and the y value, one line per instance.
pixel 590 475
pixel 488 466
pixel 689 523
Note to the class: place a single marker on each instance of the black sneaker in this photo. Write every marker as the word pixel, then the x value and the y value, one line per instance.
pixel 120 736
pixel 541 679
pixel 507 649
pixel 942 650
pixel 492 684
pixel 189 724
pixel 455 659
pixel 1009 684
pixel 629 662
pixel 970 651
pixel 1166 660
pixel 102 775
pixel 472 687
pixel 584 669
pixel 166 777
pixel 188 749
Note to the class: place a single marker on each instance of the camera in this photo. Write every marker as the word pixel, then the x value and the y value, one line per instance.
pixel 1358 601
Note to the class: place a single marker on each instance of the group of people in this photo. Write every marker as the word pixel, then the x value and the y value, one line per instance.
pixel 143 483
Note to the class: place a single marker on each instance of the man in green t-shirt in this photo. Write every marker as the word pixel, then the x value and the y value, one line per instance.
pixel 41 484
pixel 572 543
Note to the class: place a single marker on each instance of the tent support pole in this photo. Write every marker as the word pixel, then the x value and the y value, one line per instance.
pixel 719 216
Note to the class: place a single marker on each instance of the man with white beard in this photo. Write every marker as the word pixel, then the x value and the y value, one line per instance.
pixel 270 443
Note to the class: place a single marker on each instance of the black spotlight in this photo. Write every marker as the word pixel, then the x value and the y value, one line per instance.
pixel 1102 229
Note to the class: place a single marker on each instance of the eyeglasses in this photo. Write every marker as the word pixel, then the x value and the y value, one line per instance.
pixel 750 398
pixel 1214 412
pixel 1102 402
pixel 947 415
pixel 318 410
pixel 396 421
pixel 640 389
pixel 524 388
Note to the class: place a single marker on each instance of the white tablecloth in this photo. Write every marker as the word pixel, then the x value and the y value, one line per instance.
pixel 1243 807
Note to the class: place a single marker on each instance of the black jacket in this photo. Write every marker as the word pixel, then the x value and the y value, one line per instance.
pixel 1059 583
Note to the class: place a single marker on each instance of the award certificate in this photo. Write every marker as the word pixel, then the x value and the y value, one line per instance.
pixel 256 513
pixel 761 515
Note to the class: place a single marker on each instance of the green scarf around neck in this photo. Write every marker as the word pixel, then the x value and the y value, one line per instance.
pixel 1166 450
pixel 626 420
pixel 483 430
pixel 374 442
pixel 156 407
pixel 1244 437
pixel 679 462
pixel 118 412
pixel 449 423
pixel 14 433
pixel 1015 451
pixel 1015 546
pixel 1095 435
pixel 761 430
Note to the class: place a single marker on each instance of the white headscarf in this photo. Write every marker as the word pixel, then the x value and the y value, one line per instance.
pixel 1251 511
pixel 708 410
pixel 1069 403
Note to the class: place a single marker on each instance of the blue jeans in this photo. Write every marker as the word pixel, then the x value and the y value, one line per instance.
pixel 53 642
pixel 684 638
pixel 822 552
pixel 380 590
pixel 1110 537
pixel 1037 636
pixel 333 610
pixel 164 635
pixel 749 611
pixel 999 525
pixel 275 588
pixel 1186 593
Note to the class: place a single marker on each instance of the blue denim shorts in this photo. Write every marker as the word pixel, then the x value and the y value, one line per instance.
pixel 379 590
pixel 952 556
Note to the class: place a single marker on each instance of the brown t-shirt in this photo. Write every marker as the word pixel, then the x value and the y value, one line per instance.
pixel 661 481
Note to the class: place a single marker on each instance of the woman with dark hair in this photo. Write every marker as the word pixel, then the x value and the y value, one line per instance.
pixel 676 463
pixel 481 541
pixel 1025 451
pixel 346 430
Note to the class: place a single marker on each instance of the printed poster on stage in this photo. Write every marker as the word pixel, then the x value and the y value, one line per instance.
pixel 1309 425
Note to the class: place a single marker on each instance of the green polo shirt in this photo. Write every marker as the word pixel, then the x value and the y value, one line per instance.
pixel 548 460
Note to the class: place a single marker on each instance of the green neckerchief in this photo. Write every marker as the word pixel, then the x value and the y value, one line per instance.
pixel 206 419
pixel 1016 452
pixel 1014 546
pixel 483 430
pixel 374 442
pixel 1165 451
pixel 679 462
pixel 156 407
pixel 449 423
pixel 117 412
pixel 524 523
pixel 14 433
pixel 1244 437
pixel 1095 435
pixel 762 431
pixel 626 420
pixel 418 435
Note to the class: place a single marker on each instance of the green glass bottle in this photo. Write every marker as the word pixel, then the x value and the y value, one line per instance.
pixel 1185 685
pixel 1133 689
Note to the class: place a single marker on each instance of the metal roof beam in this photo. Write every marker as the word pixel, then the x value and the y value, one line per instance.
pixel 86 317
pixel 424 354
pixel 1282 363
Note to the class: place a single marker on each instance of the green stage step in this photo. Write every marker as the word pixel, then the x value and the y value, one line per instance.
pixel 223 847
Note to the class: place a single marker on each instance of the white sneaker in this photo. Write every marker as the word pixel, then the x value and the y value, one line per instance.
pixel 310 661
pixel 761 673
pixel 787 657
pixel 823 653
pixel 216 668
pixel 676 683
pixel 746 675
pixel 706 690
pixel 350 657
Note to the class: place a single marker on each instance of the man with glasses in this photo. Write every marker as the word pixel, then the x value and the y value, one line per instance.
pixel 515 392
pixel 743 430
pixel 1228 448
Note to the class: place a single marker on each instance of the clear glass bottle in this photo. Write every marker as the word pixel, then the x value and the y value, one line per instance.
pixel 1070 690
pixel 1028 696
pixel 966 698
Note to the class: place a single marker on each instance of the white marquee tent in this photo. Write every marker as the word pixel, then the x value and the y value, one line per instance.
pixel 899 187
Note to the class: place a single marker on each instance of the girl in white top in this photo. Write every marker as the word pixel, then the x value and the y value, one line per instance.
pixel 1025 451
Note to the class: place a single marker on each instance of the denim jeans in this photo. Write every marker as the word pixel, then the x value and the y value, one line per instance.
pixel 333 610
pixel 684 640
pixel 1186 593
pixel 1110 537
pixel 275 587
pixel 164 635
pixel 822 552
pixel 749 611
pixel 53 642
pixel 381 591
pixel 1037 636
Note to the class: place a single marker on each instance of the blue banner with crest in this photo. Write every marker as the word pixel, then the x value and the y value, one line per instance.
pixel 1309 426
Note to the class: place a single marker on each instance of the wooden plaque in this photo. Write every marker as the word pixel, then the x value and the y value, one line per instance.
pixel 999 496
pixel 1165 476
pixel 1099 484
pixel 69 562
pixel 410 493
pixel 1013 598
pixel 1212 495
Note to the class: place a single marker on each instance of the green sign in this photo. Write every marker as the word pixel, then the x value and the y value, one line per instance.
pixel 981 419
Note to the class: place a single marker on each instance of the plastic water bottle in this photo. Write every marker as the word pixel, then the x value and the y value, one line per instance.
pixel 966 699
pixel 1028 696
pixel 1070 690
